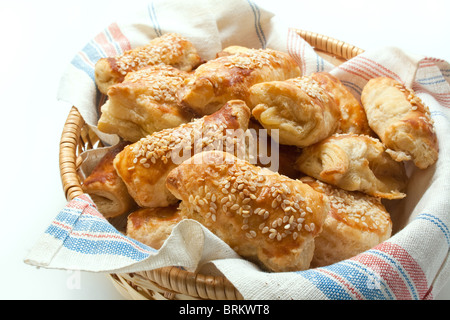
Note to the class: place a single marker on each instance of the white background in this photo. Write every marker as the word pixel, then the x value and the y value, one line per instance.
pixel 38 40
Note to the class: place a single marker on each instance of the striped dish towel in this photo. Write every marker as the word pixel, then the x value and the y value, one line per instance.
pixel 413 264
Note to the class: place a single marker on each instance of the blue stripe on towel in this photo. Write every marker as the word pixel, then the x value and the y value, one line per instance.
pixel 258 27
pixel 154 19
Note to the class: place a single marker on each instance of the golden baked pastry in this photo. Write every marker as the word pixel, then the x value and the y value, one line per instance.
pixel 105 187
pixel 356 222
pixel 353 118
pixel 354 163
pixel 144 165
pixel 265 217
pixel 171 49
pixel 145 102
pixel 230 50
pixel 230 76
pixel 300 109
pixel 401 121
pixel 152 226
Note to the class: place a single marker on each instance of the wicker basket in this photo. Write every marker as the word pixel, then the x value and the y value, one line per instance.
pixel 168 282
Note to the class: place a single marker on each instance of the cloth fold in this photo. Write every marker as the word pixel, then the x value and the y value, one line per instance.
pixel 413 264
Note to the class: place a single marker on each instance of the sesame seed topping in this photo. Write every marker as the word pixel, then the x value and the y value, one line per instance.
pixel 167 49
pixel 269 214
pixel 161 83
pixel 416 103
pixel 354 208
pixel 252 59
pixel 311 87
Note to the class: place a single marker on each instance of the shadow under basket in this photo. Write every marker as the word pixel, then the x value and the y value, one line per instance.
pixel 169 282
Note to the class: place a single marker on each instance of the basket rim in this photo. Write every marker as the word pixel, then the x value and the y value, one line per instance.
pixel 174 280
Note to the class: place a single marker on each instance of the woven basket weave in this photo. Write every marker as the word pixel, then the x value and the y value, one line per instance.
pixel 168 282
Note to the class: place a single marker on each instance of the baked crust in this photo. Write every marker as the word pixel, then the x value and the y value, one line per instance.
pixel 354 163
pixel 401 120
pixel 231 76
pixel 144 165
pixel 353 118
pixel 145 102
pixel 152 226
pixel 356 222
pixel 265 217
pixel 106 188
pixel 301 111
pixel 170 49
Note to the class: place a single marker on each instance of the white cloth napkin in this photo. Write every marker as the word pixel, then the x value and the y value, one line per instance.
pixel 413 264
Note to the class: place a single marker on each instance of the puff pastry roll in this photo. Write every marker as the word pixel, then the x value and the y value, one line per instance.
pixel 145 102
pixel 230 77
pixel 152 226
pixel 171 49
pixel 353 118
pixel 354 163
pixel 105 187
pixel 144 165
pixel 356 222
pixel 300 109
pixel 401 121
pixel 265 217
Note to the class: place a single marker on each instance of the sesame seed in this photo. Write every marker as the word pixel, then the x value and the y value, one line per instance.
pixel 274 203
pixel 279 221
pixel 235 207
